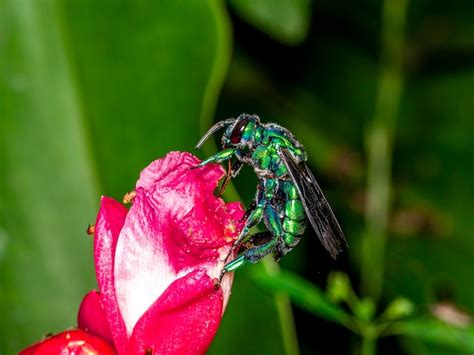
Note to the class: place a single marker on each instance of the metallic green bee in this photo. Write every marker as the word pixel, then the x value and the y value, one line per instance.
pixel 287 192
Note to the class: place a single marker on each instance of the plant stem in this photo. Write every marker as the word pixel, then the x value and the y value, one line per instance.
pixel 368 345
pixel 379 142
pixel 285 312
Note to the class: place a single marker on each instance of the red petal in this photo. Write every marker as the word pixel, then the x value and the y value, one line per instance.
pixel 183 320
pixel 92 317
pixel 72 342
pixel 174 226
pixel 107 229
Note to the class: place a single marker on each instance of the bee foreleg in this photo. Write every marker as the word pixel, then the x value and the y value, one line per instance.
pixel 219 157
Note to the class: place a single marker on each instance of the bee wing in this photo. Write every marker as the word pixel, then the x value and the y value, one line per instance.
pixel 317 208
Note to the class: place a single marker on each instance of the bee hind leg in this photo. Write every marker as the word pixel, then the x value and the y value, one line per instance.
pixel 258 246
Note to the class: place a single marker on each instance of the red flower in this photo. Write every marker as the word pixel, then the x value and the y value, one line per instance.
pixel 77 342
pixel 156 264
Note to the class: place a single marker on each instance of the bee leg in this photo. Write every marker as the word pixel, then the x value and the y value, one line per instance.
pixel 272 221
pixel 236 167
pixel 226 179
pixel 219 157
pixel 249 210
pixel 232 171
pixel 254 217
pixel 263 244
pixel 285 245
pixel 256 240
pixel 256 253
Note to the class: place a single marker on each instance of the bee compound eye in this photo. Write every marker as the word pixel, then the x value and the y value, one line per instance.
pixel 239 127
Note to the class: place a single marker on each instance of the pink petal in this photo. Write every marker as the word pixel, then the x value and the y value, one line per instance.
pixel 109 222
pixel 73 342
pixel 92 317
pixel 186 197
pixel 183 320
pixel 175 225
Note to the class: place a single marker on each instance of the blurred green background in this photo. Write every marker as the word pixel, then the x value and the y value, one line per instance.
pixel 380 92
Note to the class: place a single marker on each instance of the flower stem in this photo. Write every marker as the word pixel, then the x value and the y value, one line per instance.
pixel 379 142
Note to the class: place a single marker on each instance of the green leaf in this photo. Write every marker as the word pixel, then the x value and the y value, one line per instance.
pixel 48 186
pixel 436 332
pixel 303 294
pixel 286 21
pixel 148 72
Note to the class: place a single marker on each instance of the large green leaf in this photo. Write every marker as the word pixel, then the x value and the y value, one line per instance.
pixel 286 21
pixel 144 71
pixel 91 93
pixel 48 185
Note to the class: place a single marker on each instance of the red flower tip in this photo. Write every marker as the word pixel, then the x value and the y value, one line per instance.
pixel 91 316
pixel 73 342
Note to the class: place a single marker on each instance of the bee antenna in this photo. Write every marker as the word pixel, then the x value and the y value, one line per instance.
pixel 214 129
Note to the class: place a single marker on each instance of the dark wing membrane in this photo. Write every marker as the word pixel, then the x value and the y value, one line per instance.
pixel 315 204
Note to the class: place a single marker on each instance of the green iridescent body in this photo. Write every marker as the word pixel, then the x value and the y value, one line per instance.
pixel 270 150
pixel 277 200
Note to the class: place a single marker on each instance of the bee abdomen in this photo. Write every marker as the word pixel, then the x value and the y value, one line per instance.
pixel 294 227
pixel 294 209
pixel 294 221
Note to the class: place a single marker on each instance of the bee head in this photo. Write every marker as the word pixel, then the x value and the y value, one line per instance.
pixel 240 133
